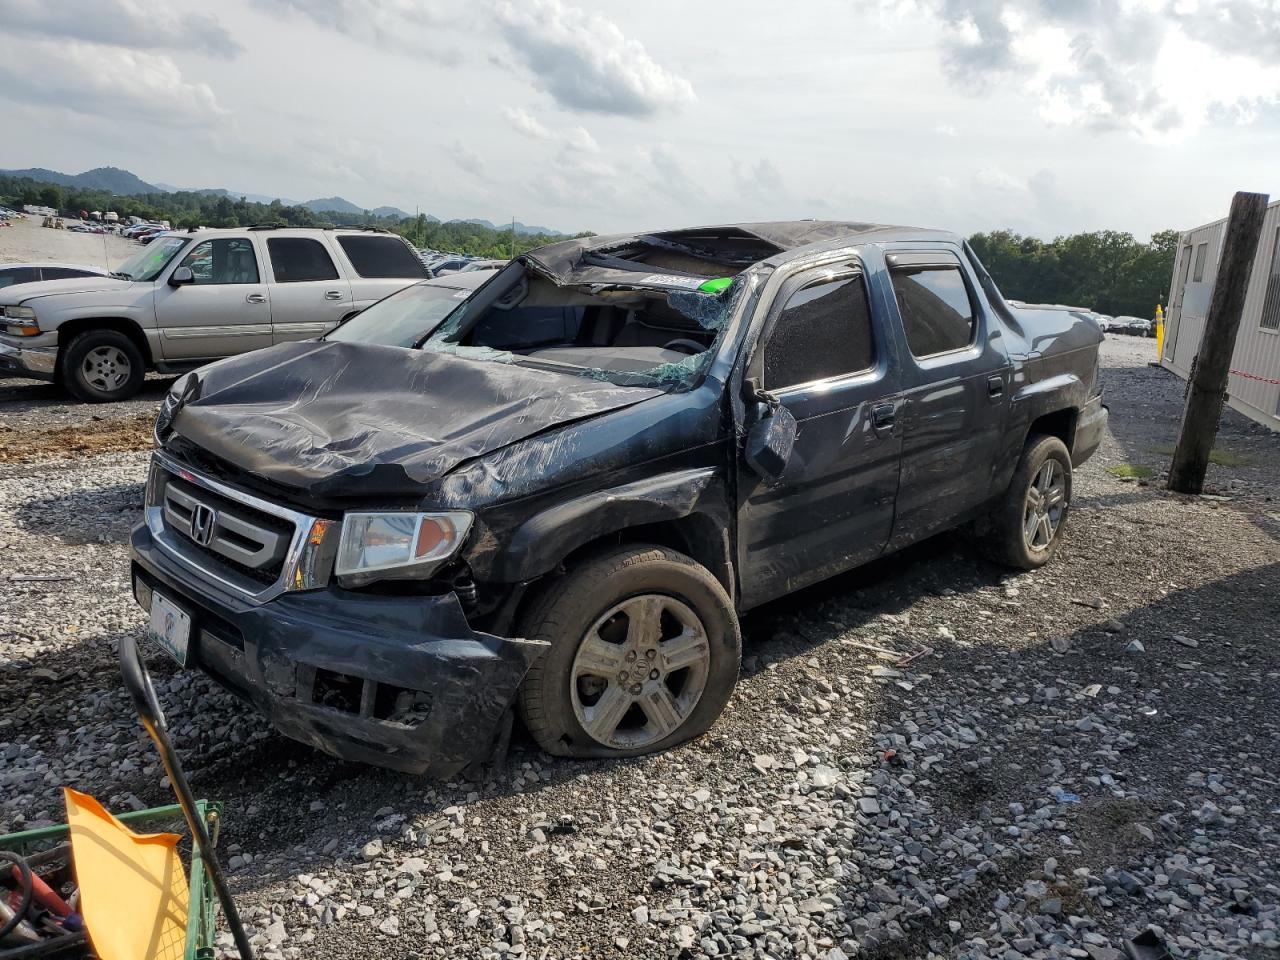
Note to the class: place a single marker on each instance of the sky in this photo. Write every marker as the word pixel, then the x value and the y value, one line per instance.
pixel 1042 116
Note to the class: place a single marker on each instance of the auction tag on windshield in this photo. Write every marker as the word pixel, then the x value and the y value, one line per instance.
pixel 170 627
pixel 672 280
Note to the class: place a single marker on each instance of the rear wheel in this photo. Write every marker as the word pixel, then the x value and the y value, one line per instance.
pixel 1026 530
pixel 102 366
pixel 645 649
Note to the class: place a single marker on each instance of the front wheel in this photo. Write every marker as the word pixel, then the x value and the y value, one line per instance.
pixel 1026 529
pixel 645 650
pixel 102 366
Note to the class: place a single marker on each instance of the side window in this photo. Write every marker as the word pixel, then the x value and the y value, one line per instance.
pixel 227 260
pixel 936 309
pixel 1202 254
pixel 64 273
pixel 18 275
pixel 824 330
pixel 382 257
pixel 294 259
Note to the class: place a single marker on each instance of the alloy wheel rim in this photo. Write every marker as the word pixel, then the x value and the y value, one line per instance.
pixel 106 368
pixel 639 671
pixel 1045 504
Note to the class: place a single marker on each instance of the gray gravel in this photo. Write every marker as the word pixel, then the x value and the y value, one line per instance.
pixel 1091 749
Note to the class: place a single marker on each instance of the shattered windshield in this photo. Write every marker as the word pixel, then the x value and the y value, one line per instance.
pixel 624 333
pixel 148 262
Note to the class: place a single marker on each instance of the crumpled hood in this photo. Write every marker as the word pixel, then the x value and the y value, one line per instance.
pixel 22 292
pixel 350 419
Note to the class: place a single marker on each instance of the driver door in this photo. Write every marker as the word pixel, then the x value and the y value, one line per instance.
pixel 226 309
pixel 829 360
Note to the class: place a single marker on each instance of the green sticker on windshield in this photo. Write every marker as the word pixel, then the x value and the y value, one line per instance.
pixel 716 285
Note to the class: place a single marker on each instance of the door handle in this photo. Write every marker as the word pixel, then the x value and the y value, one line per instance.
pixel 256 298
pixel 995 387
pixel 883 417
pixel 333 294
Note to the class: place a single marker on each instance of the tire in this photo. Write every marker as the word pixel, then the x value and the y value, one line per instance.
pixel 1006 539
pixel 102 366
pixel 626 694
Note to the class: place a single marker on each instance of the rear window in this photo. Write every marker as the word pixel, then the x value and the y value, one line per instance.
pixel 383 257
pixel 296 259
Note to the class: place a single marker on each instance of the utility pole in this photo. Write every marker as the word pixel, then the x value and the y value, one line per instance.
pixel 1207 385
pixel 513 239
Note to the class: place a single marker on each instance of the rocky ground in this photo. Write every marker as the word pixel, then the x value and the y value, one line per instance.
pixel 1088 751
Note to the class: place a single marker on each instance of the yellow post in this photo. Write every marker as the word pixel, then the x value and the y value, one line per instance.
pixel 1159 333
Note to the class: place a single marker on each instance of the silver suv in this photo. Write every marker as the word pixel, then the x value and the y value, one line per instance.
pixel 188 298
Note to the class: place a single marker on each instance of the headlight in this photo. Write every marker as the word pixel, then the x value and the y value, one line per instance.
pixel 397 546
pixel 20 322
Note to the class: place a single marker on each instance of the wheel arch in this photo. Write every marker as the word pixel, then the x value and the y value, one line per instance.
pixel 685 510
pixel 70 329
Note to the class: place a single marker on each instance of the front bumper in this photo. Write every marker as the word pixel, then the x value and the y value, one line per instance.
pixel 37 363
pixel 400 682
pixel 1090 426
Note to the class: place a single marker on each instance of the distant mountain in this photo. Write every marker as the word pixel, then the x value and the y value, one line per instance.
pixel 224 192
pixel 124 183
pixel 332 205
pixel 120 182
pixel 522 229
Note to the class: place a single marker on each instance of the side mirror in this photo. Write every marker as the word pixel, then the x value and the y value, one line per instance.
pixel 181 277
pixel 770 439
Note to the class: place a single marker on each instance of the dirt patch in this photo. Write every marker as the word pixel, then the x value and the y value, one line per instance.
pixel 100 436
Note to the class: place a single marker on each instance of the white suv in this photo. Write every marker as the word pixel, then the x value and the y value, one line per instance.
pixel 188 298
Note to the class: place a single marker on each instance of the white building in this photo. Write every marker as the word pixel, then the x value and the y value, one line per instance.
pixel 1254 386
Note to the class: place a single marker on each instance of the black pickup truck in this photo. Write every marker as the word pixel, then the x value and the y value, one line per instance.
pixel 556 496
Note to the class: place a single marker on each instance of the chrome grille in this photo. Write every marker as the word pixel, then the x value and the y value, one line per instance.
pixel 249 539
pixel 256 548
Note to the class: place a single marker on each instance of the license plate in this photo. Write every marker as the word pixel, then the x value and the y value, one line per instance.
pixel 170 627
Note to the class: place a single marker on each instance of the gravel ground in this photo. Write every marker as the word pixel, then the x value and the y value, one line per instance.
pixel 1091 749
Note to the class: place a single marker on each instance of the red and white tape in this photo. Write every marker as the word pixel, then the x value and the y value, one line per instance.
pixel 1253 376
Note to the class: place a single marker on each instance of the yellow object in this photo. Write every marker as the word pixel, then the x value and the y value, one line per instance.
pixel 1159 333
pixel 133 891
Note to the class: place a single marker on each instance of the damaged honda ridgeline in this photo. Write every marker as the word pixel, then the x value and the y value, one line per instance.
pixel 558 495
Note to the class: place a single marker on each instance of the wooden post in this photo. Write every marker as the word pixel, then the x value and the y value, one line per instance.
pixel 1207 385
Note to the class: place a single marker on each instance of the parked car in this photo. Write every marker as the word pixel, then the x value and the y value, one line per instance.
pixel 448 265
pixel 482 264
pixel 12 274
pixel 1134 326
pixel 188 298
pixel 560 496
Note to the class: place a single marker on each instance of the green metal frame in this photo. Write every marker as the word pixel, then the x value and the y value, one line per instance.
pixel 201 902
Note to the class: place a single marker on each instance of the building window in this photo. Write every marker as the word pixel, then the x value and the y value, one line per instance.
pixel 1202 254
pixel 1271 303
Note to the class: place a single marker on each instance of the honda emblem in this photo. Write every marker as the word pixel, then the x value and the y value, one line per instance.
pixel 203 521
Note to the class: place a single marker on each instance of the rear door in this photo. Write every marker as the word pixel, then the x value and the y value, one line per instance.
pixel 830 360
pixel 308 294
pixel 956 386
pixel 225 311
pixel 380 264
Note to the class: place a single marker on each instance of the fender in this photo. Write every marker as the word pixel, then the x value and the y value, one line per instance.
pixel 1064 391
pixel 541 542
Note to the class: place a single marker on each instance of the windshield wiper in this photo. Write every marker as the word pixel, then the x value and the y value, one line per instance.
pixel 121 275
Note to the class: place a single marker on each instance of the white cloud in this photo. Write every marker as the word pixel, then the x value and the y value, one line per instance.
pixel 522 121
pixel 105 82
pixel 135 24
pixel 411 27
pixel 1157 68
pixel 585 62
